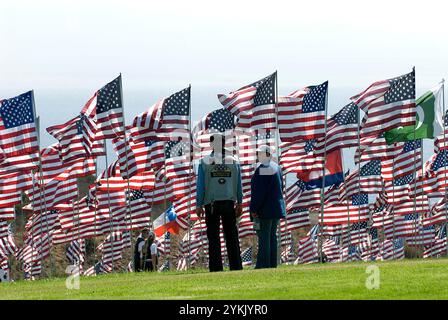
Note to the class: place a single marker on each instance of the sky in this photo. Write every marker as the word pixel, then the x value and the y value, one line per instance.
pixel 66 50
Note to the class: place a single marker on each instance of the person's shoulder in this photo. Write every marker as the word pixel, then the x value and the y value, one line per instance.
pixel 230 159
pixel 207 159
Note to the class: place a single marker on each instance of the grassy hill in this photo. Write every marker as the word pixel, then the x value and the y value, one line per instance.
pixel 406 279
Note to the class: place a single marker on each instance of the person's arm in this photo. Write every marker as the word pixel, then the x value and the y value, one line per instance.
pixel 200 186
pixel 239 186
pixel 140 248
pixel 154 256
pixel 258 191
pixel 200 191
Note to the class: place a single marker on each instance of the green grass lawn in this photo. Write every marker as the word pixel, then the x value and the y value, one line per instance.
pixel 406 279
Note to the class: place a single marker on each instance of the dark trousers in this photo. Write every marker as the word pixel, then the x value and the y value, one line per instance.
pixel 137 262
pixel 267 244
pixel 225 211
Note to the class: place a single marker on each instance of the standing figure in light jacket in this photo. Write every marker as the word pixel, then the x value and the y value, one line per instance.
pixel 219 191
pixel 267 207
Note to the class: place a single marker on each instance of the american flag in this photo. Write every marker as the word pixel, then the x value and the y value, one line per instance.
pixel 342 130
pixel 425 236
pixel 439 213
pixel 4 228
pixel 11 187
pixel 427 182
pixel 440 245
pixel 164 243
pixel 112 247
pixel 397 189
pixel 246 256
pixel 354 210
pixel 439 167
pixel 301 115
pixel 296 219
pixel 42 222
pixel 136 214
pixel 391 249
pixel 298 156
pixel 418 204
pixel 331 249
pixel 106 109
pixel 402 226
pixel 376 148
pixel 307 250
pixel 7 245
pixel 406 162
pixel 254 104
pixel 35 249
pixel 299 196
pixel 137 157
pixel 177 160
pixel 367 180
pixel 76 252
pixel 350 253
pixel 441 141
pixel 76 139
pixel 167 119
pixel 359 232
pixel 217 121
pixel 18 133
pixel 54 168
pixel 393 108
pixel 45 196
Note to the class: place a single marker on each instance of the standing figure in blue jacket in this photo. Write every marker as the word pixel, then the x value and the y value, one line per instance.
pixel 267 206
pixel 219 192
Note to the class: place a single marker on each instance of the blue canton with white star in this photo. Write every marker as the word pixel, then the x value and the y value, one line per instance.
pixel 315 99
pixel 17 111
pixel 347 115
pixel 372 168
pixel 109 97
pixel 221 120
pixel 401 88
pixel 360 199
pixel 177 104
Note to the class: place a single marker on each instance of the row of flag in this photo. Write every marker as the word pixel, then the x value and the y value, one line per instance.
pixel 156 153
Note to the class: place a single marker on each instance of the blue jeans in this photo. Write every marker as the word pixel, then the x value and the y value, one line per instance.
pixel 267 244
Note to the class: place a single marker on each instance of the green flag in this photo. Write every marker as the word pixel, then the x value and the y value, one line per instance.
pixel 428 120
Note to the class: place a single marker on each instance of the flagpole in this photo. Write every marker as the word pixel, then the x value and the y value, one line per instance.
pixel 444 141
pixel 95 212
pixel 277 141
pixel 164 218
pixel 128 200
pixel 111 228
pixel 322 191
pixel 359 177
pixel 41 188
pixel 420 220
pixel 393 210
pixel 190 175
pixel 42 197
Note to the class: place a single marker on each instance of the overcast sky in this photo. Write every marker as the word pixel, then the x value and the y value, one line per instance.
pixel 65 50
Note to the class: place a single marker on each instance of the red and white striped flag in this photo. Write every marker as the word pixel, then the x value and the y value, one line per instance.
pixel 254 104
pixel 301 115
pixel 387 104
pixel 167 120
pixel 106 109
